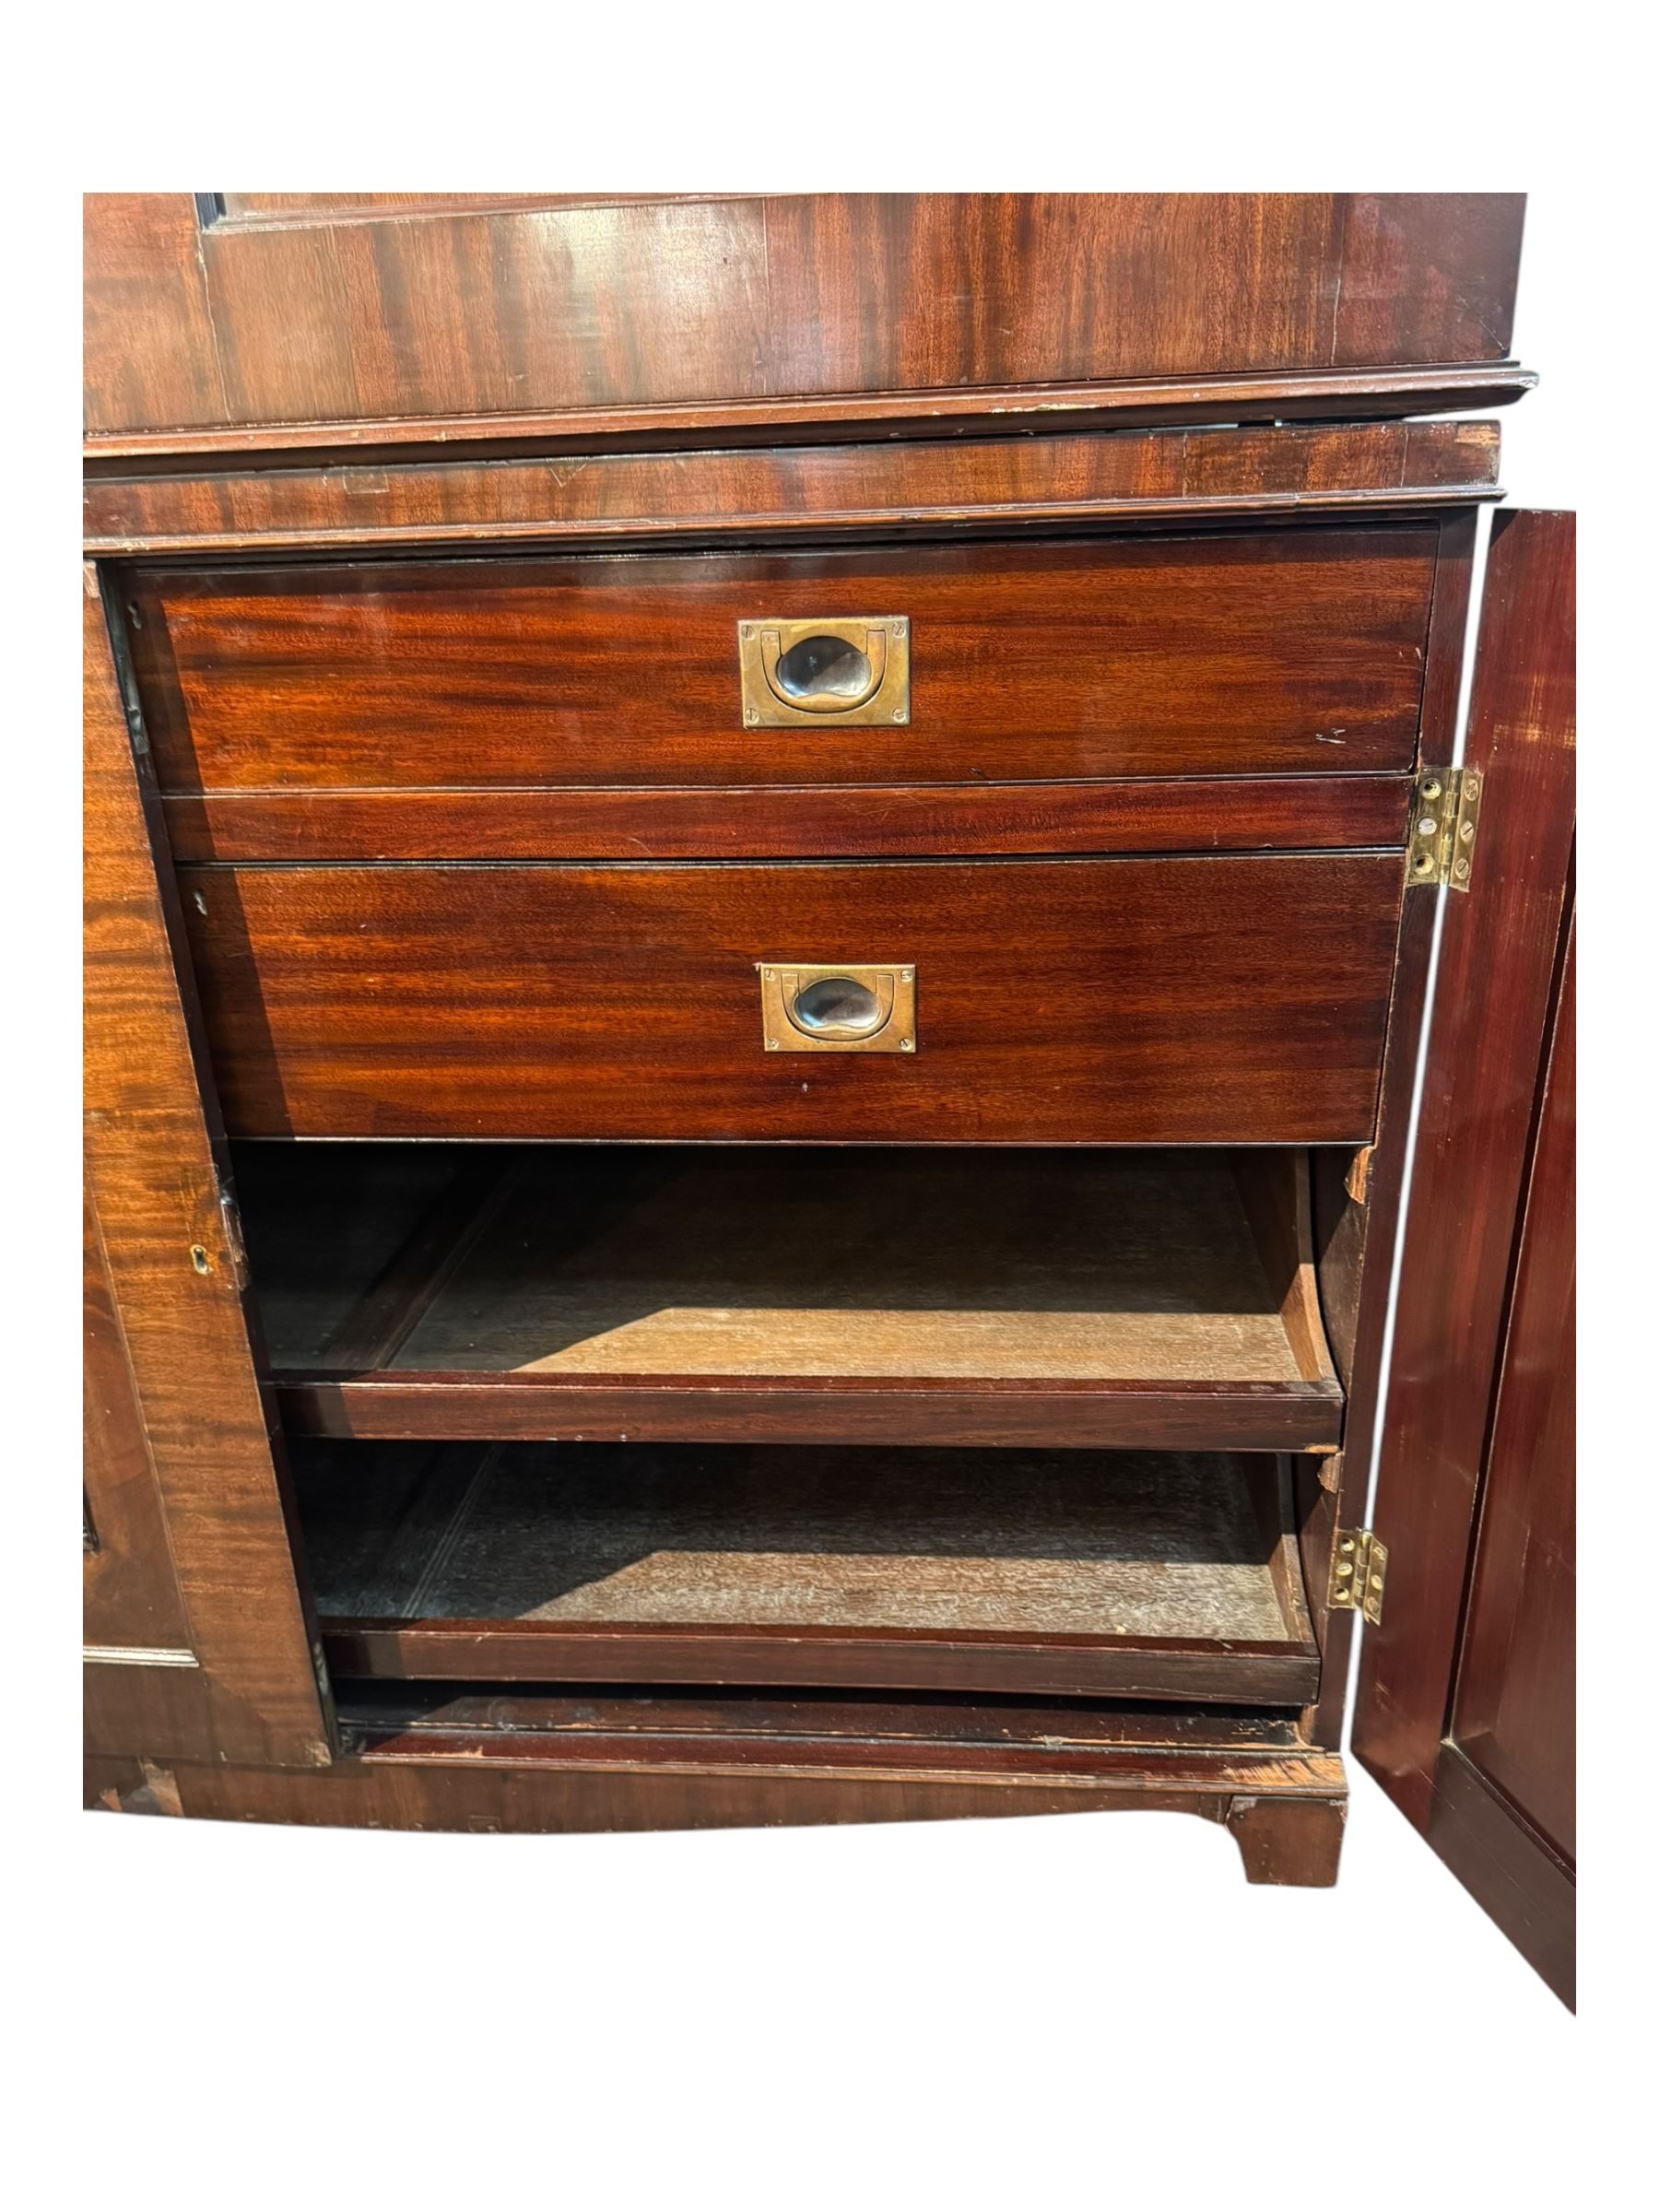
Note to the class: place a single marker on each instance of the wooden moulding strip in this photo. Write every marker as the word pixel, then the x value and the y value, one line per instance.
pixel 804 491
pixel 1191 1671
pixel 1099 1415
pixel 644 822
pixel 1296 397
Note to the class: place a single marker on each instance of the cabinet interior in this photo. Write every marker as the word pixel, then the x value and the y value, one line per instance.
pixel 1049 1290
pixel 1022 1422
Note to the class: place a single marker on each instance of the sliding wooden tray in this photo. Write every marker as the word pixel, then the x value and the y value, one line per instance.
pixel 1105 1298
pixel 1045 1572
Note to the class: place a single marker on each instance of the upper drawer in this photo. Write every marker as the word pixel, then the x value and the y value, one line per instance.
pixel 1291 651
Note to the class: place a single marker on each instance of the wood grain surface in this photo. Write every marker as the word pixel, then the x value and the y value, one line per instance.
pixel 490 308
pixel 1217 814
pixel 1488 1046
pixel 992 483
pixel 1204 1001
pixel 1294 651
pixel 524 1769
pixel 175 1274
pixel 1515 1713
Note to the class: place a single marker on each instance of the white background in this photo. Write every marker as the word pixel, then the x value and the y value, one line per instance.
pixel 1018 2012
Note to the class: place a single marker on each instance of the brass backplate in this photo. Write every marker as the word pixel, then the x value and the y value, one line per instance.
pixel 834 671
pixel 881 1001
pixel 1445 817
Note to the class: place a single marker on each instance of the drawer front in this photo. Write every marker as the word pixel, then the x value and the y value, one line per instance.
pixel 1144 1001
pixel 1295 651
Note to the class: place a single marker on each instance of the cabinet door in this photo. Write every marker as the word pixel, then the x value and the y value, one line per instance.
pixel 1466 1713
pixel 199 1639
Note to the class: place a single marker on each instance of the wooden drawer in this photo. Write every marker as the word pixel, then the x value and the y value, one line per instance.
pixel 1286 652
pixel 1126 1001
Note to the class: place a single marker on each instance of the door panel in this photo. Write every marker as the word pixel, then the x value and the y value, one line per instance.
pixel 1468 1728
pixel 1513 1714
pixel 130 1599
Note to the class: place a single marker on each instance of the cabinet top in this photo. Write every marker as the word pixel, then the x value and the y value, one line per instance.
pixel 240 322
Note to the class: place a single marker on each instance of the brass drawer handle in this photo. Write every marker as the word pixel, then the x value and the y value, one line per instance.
pixel 855 671
pixel 818 1008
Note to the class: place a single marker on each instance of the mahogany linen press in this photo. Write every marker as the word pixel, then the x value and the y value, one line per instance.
pixel 761 877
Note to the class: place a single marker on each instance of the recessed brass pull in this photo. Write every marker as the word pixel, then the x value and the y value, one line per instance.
pixel 851 672
pixel 823 674
pixel 819 1009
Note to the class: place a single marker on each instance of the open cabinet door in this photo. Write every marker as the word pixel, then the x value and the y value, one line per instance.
pixel 199 1639
pixel 1465 1706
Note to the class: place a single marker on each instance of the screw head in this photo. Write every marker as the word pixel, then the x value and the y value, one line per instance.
pixel 772 1044
pixel 1431 789
pixel 907 1044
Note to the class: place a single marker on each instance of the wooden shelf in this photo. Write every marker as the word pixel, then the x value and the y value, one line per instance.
pixel 1118 1299
pixel 1053 1573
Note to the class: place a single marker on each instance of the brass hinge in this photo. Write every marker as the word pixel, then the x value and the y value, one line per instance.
pixel 1445 817
pixel 1359 1573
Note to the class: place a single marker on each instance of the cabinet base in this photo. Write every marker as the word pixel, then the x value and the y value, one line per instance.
pixel 1284 1807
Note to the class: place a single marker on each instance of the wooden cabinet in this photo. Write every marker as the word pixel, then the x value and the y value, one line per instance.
pixel 756 967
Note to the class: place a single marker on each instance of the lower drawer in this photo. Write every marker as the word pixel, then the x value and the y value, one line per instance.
pixel 1237 1000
